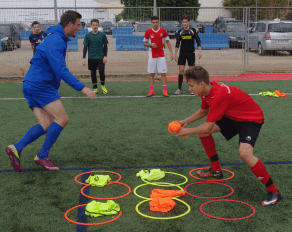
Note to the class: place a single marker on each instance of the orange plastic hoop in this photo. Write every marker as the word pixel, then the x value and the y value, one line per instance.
pixel 108 183
pixel 108 198
pixel 232 175
pixel 88 224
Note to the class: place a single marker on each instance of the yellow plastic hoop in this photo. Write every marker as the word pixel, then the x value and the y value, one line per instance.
pixel 167 184
pixel 162 218
pixel 147 198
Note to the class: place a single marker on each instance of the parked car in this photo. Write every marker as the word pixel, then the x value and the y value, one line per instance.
pixel 45 26
pixel 107 27
pixel 124 24
pixel 10 37
pixel 141 28
pixel 236 33
pixel 271 35
pixel 21 26
pixel 88 26
pixel 170 27
pixel 220 23
pixel 132 21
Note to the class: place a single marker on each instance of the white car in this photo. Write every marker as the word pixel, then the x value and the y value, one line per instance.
pixel 271 35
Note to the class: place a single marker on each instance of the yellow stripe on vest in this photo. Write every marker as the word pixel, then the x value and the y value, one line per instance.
pixel 186 37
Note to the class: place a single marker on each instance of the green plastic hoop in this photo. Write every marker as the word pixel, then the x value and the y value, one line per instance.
pixel 167 184
pixel 147 198
pixel 163 218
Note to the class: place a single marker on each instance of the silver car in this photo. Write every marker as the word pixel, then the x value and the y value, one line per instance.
pixel 271 35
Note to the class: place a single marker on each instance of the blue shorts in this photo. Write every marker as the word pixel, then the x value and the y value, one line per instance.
pixel 38 95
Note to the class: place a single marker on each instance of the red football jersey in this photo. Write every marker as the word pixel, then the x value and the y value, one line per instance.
pixel 157 38
pixel 231 102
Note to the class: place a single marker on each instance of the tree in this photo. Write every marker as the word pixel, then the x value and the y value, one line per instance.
pixel 168 14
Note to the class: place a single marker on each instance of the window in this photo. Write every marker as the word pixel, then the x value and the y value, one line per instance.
pixel 261 27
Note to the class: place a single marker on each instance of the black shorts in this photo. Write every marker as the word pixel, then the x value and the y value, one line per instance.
pixel 183 56
pixel 248 131
pixel 93 64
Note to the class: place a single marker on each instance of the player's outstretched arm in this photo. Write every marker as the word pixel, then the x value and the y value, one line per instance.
pixel 88 92
pixel 205 128
pixel 201 113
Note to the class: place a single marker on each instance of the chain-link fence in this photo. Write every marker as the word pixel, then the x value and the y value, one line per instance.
pixel 234 40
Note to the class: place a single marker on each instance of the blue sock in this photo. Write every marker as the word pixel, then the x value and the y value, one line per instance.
pixel 52 135
pixel 31 135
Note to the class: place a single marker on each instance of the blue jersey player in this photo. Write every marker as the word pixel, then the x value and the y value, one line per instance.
pixel 37 36
pixel 40 88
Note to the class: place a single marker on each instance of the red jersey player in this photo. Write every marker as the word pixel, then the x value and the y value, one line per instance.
pixel 156 61
pixel 230 111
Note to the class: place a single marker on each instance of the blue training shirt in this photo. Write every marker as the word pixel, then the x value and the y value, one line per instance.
pixel 48 66
pixel 36 39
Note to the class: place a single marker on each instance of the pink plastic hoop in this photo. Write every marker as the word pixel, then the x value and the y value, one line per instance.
pixel 228 219
pixel 209 182
pixel 88 224
pixel 107 198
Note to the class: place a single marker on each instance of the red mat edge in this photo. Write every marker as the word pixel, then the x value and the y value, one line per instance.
pixel 245 77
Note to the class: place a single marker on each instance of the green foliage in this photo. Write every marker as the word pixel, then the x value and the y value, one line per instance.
pixel 165 14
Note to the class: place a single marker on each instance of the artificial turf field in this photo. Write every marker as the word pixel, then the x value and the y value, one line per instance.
pixel 127 134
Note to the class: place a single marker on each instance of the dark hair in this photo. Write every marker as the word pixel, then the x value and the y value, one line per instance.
pixel 198 74
pixel 69 16
pixel 154 17
pixel 94 20
pixel 186 17
pixel 34 23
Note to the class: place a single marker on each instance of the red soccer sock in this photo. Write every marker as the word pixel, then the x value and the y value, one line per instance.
pixel 263 176
pixel 209 146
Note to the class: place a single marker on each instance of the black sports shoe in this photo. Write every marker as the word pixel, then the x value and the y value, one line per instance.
pixel 210 173
pixel 272 199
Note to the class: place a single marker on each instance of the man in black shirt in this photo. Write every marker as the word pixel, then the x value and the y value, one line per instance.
pixel 37 36
pixel 185 40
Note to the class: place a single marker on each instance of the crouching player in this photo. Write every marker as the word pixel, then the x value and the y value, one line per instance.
pixel 40 88
pixel 230 111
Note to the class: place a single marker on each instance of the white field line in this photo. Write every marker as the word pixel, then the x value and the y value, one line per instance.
pixel 21 98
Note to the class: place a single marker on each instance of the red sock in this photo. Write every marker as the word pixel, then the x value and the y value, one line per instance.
pixel 209 146
pixel 263 176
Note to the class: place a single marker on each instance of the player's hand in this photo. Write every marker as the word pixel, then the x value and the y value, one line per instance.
pixel 88 92
pixel 104 59
pixel 153 45
pixel 171 56
pixel 199 54
pixel 181 132
pixel 183 123
pixel 176 58
pixel 83 61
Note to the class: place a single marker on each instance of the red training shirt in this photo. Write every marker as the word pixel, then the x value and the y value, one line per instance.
pixel 231 102
pixel 157 38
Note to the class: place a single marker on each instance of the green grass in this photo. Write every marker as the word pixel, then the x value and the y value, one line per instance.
pixel 123 134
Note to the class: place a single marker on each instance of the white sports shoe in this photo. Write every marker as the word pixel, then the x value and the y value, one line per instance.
pixel 177 92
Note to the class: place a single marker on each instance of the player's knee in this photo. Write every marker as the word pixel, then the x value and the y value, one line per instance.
pixel 203 135
pixel 245 154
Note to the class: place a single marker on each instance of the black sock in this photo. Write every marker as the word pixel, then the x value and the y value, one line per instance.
pixel 180 80
pixel 101 75
pixel 93 79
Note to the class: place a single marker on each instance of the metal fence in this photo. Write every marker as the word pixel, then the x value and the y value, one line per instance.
pixel 238 58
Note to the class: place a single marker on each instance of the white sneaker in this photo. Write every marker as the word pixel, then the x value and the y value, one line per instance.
pixel 177 92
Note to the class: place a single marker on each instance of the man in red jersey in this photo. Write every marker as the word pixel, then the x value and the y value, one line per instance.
pixel 230 111
pixel 153 38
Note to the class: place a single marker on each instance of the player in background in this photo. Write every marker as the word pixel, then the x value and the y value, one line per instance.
pixel 185 40
pixel 96 43
pixel 230 111
pixel 156 61
pixel 37 36
pixel 40 88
